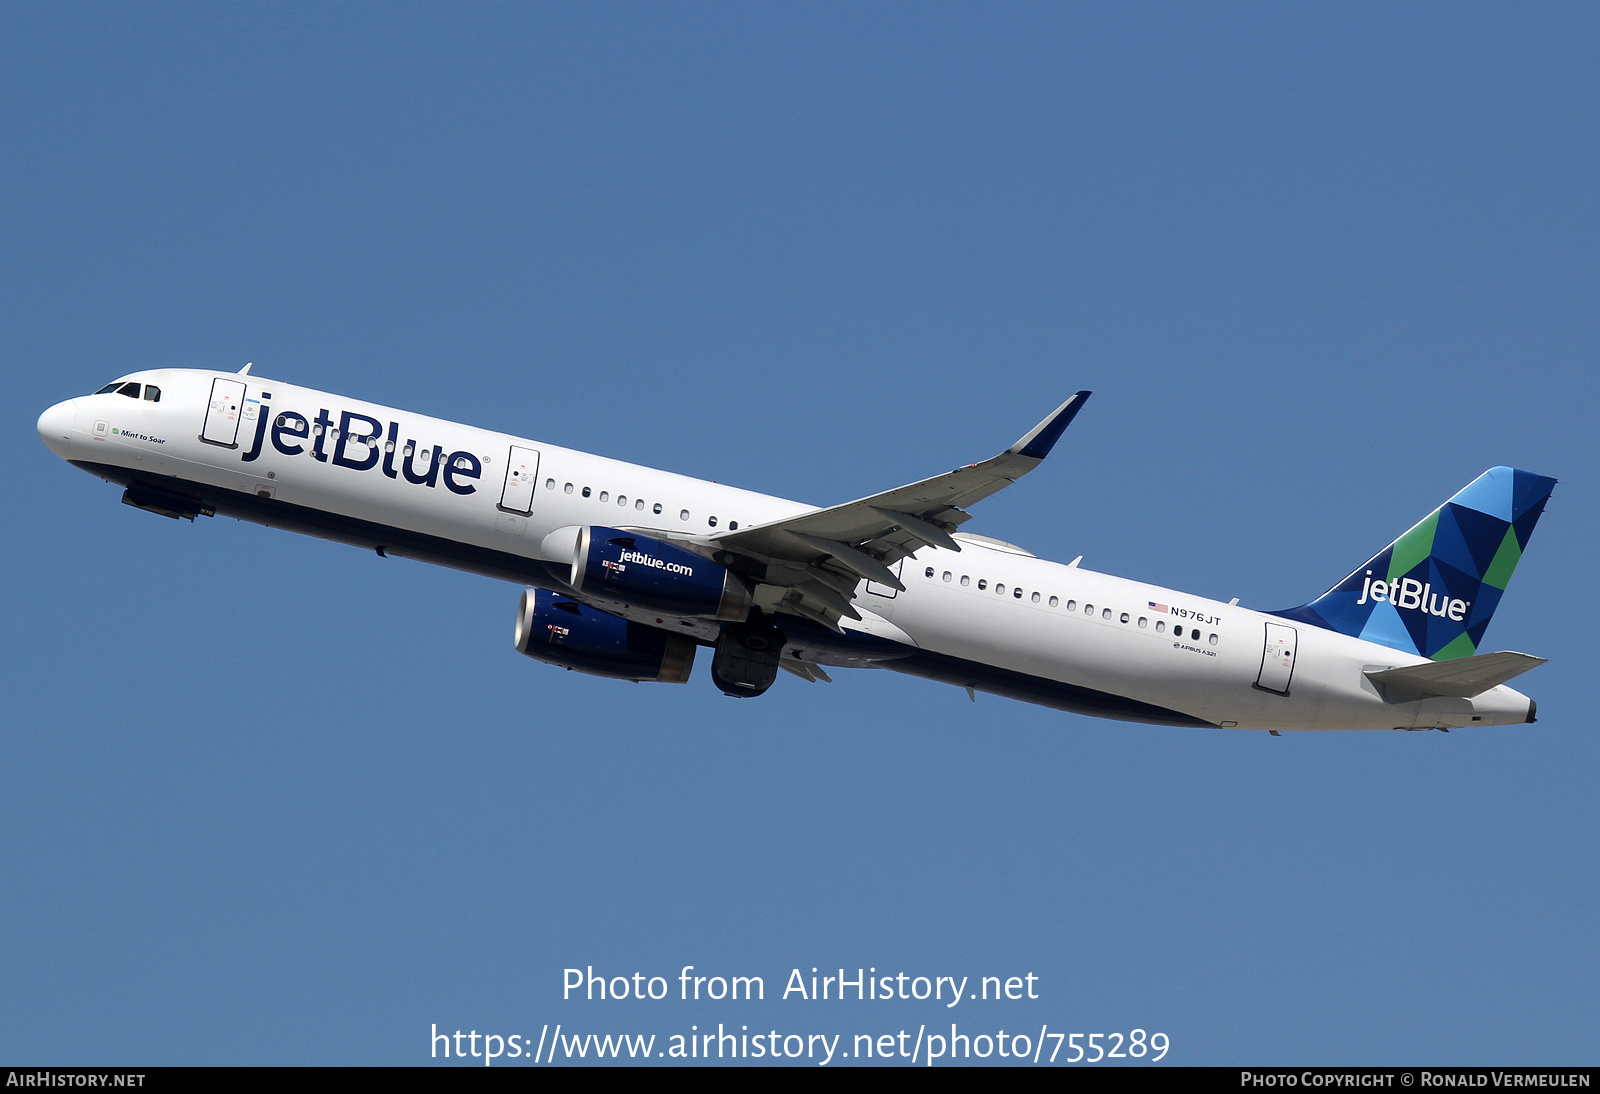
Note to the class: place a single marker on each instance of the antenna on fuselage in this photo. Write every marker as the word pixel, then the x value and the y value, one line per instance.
pixel 246 370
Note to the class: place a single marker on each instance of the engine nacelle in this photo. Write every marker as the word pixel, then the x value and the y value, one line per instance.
pixel 558 631
pixel 648 573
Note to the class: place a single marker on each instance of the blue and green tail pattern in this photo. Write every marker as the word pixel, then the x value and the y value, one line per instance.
pixel 1433 591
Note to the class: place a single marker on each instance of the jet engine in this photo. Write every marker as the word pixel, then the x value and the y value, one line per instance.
pixel 559 631
pixel 648 573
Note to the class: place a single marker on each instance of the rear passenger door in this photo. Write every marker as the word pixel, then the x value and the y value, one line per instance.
pixel 1277 659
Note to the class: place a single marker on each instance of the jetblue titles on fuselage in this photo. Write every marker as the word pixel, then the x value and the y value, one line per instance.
pixel 290 430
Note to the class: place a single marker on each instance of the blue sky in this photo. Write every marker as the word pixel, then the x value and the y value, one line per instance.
pixel 265 799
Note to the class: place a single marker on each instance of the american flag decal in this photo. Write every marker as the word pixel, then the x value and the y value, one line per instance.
pixel 1157 607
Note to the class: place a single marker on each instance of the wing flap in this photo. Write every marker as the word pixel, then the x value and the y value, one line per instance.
pixel 806 671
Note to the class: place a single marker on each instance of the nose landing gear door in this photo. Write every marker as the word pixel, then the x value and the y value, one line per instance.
pixel 522 475
pixel 1277 659
pixel 222 415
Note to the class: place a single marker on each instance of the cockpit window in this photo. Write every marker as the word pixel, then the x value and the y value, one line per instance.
pixel 152 394
pixel 109 388
pixel 130 390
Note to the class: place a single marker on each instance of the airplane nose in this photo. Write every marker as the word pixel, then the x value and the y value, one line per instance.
pixel 55 426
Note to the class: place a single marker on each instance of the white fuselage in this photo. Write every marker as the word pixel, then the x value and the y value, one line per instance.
pixel 987 607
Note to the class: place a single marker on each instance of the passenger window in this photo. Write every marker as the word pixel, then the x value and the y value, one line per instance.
pixel 566 490
pixel 947 574
pixel 605 495
pixel 622 500
pixel 983 583
pixel 928 572
pixel 1143 622
pixel 1195 634
pixel 1213 640
pixel 1072 605
pixel 1088 609
pixel 638 504
pixel 1124 617
pixel 733 526
pixel 152 394
pixel 711 521
pixel 109 388
pixel 965 580
pixel 1054 601
pixel 585 491
pixel 1036 598
pixel 130 390
pixel 1105 613
pixel 549 484
pixel 657 509
pixel 1017 594
pixel 1161 627
pixel 999 588
pixel 462 463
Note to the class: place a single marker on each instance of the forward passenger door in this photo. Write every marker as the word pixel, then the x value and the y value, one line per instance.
pixel 222 414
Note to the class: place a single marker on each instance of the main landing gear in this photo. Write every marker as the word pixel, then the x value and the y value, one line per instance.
pixel 746 662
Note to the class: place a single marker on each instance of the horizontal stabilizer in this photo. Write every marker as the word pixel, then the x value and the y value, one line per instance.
pixel 1460 678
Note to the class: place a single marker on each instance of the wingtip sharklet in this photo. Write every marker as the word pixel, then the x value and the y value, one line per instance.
pixel 1043 437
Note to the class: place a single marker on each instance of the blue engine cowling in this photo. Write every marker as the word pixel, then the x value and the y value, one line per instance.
pixel 559 631
pixel 645 572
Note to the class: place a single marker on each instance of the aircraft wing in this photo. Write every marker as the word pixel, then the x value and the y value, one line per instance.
pixel 811 564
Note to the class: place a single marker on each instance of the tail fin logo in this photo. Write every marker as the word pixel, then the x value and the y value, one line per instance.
pixel 1410 594
pixel 1433 591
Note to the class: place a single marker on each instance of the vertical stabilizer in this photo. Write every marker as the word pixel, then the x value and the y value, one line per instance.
pixel 1433 591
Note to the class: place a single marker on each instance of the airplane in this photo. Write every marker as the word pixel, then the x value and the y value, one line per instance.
pixel 628 571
